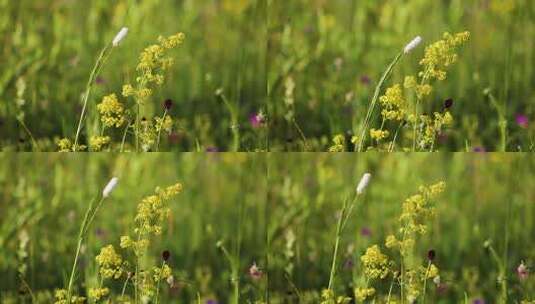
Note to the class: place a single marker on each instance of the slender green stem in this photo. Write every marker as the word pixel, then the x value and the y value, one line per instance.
pixel 93 214
pixel 34 143
pixel 390 291
pixel 234 123
pixel 303 137
pixel 78 247
pixel 378 88
pixel 342 221
pixel 124 286
pixel 425 281
pixel 94 73
pixel 138 110
pixel 160 130
pixel 124 136
pixel 158 284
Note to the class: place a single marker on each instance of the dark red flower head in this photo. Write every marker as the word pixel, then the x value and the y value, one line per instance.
pixel 431 254
pixel 168 104
pixel 165 255
pixel 448 103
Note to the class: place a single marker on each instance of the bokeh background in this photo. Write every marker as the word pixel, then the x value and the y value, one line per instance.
pixel 48 49
pixel 43 199
pixel 488 197
pixel 333 52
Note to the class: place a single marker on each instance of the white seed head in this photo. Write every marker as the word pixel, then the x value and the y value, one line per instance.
pixel 120 36
pixel 363 183
pixel 109 187
pixel 412 45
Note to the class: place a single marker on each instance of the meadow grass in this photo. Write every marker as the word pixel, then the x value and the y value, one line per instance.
pixel 42 228
pixel 268 228
pixel 50 50
pixel 326 59
pixel 469 241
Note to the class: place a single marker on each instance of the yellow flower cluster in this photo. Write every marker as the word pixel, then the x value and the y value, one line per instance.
pixel 339 143
pixel 147 134
pixel 379 134
pixel 165 124
pixel 112 113
pixel 433 272
pixel 361 294
pixel 417 208
pixel 393 104
pixel 328 297
pixel 60 296
pixel 375 263
pixel 64 145
pixel 433 126
pixel 440 55
pixel 151 212
pixel 153 62
pixel 161 273
pixel 110 263
pixel 96 143
pixel 96 294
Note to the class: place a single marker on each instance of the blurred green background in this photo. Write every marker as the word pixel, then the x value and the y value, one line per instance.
pixel 44 198
pixel 334 51
pixel 48 49
pixel 487 197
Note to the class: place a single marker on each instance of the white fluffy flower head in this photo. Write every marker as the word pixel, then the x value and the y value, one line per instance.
pixel 364 181
pixel 120 36
pixel 412 45
pixel 109 187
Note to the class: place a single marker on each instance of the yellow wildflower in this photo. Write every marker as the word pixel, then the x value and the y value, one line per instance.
pixel 393 103
pixel 96 294
pixel 361 294
pixel 109 263
pixel 96 143
pixel 64 145
pixel 339 143
pixel 375 263
pixel 111 111
pixel 433 272
pixel 379 134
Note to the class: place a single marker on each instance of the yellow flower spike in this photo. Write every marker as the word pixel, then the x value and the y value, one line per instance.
pixel 96 143
pixel 111 111
pixel 128 90
pixel 379 134
pixel 109 263
pixel 64 145
pixel 375 263
pixel 410 82
pixel 433 272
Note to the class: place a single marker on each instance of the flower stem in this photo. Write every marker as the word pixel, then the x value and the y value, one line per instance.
pixel 378 88
pixel 342 221
pixel 94 73
pixel 83 228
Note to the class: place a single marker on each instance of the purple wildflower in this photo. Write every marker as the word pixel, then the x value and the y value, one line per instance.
pixel 365 80
pixel 256 120
pixel 522 121
pixel 365 231
pixel 255 272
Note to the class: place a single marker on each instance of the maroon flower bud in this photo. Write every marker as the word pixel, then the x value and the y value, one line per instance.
pixel 431 254
pixel 448 103
pixel 168 104
pixel 165 255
